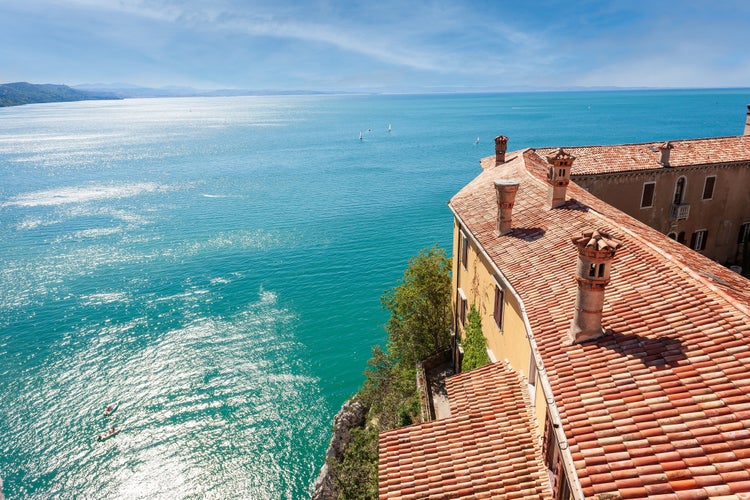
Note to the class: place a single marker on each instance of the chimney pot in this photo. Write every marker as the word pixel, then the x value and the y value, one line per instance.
pixel 665 149
pixel 501 145
pixel 595 254
pixel 506 196
pixel 558 176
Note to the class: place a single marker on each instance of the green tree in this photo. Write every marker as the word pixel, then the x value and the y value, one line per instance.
pixel 474 344
pixel 420 307
pixel 357 473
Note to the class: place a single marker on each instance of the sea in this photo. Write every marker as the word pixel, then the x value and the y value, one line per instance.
pixel 215 265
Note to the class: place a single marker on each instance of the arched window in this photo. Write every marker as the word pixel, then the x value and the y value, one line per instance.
pixel 679 191
pixel 672 236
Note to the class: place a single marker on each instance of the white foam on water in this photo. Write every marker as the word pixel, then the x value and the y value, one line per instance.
pixel 82 194
pixel 96 233
pixel 96 299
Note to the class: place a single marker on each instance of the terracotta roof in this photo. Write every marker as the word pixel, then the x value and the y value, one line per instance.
pixel 661 404
pixel 488 448
pixel 633 157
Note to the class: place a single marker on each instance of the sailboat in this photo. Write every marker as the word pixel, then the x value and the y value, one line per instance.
pixel 389 128
pixel 360 135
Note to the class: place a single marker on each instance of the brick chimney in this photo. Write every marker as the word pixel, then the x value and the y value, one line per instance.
pixel 506 196
pixel 595 253
pixel 747 121
pixel 558 176
pixel 665 149
pixel 501 145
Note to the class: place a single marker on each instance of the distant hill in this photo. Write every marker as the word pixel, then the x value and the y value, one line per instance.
pixel 124 90
pixel 16 94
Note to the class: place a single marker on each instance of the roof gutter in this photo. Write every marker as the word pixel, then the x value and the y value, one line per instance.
pixel 567 458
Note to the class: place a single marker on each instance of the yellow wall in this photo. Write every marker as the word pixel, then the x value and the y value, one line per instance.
pixel 478 284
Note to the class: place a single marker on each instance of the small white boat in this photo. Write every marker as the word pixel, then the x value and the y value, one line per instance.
pixel 109 410
pixel 389 128
pixel 360 136
pixel 112 431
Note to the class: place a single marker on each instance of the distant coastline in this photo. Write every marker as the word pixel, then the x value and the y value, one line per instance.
pixel 19 93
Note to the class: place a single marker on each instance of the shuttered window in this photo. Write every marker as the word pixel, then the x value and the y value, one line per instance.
pixel 698 241
pixel 498 311
pixel 464 251
pixel 708 187
pixel 647 197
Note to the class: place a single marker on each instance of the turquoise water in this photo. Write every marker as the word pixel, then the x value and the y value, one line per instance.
pixel 215 265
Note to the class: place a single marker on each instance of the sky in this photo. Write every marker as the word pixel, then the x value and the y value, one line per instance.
pixel 377 45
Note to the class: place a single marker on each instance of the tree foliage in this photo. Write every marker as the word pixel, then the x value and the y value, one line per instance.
pixel 420 307
pixel 474 344
pixel 357 473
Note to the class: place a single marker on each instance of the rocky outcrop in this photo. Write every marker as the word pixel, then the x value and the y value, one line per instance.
pixel 352 414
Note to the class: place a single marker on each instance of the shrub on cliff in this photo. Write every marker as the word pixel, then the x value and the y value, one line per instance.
pixel 357 473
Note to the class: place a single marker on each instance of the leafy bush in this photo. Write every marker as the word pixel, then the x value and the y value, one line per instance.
pixel 357 473
pixel 475 345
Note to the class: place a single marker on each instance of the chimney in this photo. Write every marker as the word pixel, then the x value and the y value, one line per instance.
pixel 558 176
pixel 595 253
pixel 665 149
pixel 501 145
pixel 747 121
pixel 506 196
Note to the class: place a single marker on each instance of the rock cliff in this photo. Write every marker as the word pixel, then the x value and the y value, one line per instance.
pixel 352 414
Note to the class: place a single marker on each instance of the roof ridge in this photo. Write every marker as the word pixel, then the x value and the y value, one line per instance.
pixel 673 141
pixel 677 263
pixel 594 204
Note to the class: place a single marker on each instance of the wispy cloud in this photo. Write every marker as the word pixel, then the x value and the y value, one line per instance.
pixel 445 43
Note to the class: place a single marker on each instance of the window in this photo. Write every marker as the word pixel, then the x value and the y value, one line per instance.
pixel 647 197
pixel 698 241
pixel 681 237
pixel 563 492
pixel 744 234
pixel 672 236
pixel 708 187
pixel 498 314
pixel 550 446
pixel 679 191
pixel 532 378
pixel 461 303
pixel 464 250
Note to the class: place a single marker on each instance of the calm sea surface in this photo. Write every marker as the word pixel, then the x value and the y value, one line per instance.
pixel 215 265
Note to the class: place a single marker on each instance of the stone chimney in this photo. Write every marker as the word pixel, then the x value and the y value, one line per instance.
pixel 665 149
pixel 506 196
pixel 558 176
pixel 747 121
pixel 595 253
pixel 501 145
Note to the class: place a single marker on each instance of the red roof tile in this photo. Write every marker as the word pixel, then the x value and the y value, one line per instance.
pixel 669 382
pixel 488 448
pixel 632 157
